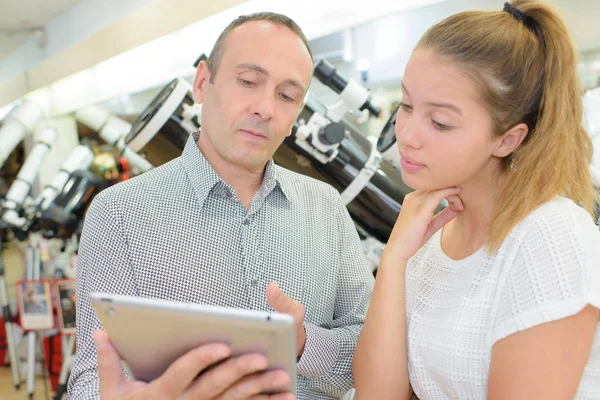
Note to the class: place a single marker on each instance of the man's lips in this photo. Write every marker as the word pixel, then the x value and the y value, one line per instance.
pixel 254 133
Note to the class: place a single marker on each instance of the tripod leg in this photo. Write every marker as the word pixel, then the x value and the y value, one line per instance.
pixel 31 363
pixel 66 368
pixel 33 272
pixel 12 353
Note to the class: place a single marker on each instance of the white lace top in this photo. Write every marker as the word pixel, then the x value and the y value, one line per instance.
pixel 547 269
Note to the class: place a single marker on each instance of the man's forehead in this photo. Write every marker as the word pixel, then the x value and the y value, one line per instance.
pixel 258 27
pixel 257 36
pixel 269 63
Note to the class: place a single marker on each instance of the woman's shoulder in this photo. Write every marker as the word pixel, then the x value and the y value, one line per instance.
pixel 549 267
pixel 560 216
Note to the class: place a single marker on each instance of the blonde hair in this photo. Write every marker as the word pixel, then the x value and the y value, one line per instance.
pixel 526 72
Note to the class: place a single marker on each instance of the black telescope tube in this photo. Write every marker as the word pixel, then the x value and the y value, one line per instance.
pixel 328 75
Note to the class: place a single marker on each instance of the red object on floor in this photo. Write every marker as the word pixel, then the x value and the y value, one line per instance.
pixel 54 358
pixel 3 342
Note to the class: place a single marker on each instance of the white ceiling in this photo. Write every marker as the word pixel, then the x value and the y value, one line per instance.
pixel 17 15
pixel 581 15
pixel 582 18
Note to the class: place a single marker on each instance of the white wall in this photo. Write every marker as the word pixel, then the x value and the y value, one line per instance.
pixel 78 23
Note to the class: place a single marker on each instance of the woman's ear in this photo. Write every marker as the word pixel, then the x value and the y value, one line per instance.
pixel 511 140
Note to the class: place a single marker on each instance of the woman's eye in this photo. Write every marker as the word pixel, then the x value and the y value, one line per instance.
pixel 406 107
pixel 440 127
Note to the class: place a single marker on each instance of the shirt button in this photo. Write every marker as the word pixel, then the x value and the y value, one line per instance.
pixel 246 221
pixel 254 282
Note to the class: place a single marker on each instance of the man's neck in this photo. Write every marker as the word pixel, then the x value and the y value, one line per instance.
pixel 244 181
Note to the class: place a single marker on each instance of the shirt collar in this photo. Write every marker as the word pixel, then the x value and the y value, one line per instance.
pixel 201 175
pixel 204 179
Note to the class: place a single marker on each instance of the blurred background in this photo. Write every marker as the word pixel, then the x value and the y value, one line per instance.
pixel 94 92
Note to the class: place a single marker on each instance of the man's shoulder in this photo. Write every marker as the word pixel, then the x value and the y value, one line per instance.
pixel 158 181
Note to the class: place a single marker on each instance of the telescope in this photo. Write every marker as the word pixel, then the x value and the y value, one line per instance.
pixel 352 95
pixel 161 131
pixel 21 187
pixel 16 125
pixel 113 130
pixel 80 158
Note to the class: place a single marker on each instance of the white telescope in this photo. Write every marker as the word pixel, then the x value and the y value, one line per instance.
pixel 21 187
pixel 16 125
pixel 113 130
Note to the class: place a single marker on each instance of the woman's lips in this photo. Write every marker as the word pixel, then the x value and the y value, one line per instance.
pixel 410 165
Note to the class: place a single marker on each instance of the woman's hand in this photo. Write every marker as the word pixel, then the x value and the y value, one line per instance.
pixel 417 222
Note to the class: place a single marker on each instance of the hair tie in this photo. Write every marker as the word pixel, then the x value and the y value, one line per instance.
pixel 515 12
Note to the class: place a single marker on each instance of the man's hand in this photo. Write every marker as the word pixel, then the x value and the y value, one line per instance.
pixel 234 379
pixel 283 304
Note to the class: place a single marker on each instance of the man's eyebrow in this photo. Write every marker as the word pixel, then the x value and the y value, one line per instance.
pixel 296 84
pixel 253 67
pixel 262 71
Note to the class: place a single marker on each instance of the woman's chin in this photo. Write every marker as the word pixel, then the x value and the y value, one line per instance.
pixel 419 183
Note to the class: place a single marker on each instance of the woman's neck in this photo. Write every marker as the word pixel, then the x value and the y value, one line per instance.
pixel 468 232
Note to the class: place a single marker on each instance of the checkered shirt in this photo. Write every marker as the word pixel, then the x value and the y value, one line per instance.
pixel 179 232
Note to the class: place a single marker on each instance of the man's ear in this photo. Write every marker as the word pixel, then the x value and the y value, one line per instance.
pixel 511 140
pixel 201 79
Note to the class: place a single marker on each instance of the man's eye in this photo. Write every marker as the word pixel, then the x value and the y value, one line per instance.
pixel 287 98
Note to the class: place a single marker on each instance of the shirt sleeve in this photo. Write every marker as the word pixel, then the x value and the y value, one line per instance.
pixel 103 266
pixel 555 273
pixel 326 363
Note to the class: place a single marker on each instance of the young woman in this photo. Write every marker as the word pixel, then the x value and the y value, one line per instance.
pixel 498 296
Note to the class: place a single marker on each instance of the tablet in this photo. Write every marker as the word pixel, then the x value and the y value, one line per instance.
pixel 150 334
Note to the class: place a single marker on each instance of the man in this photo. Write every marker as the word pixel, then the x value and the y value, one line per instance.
pixel 223 225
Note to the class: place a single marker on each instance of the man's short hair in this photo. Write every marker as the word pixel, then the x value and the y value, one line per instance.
pixel 277 19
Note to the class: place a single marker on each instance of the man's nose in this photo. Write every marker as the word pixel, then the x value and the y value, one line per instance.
pixel 264 106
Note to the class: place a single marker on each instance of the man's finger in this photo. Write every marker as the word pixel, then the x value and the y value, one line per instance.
pixel 281 302
pixel 255 384
pixel 109 366
pixel 218 380
pixel 282 396
pixel 185 369
pixel 278 396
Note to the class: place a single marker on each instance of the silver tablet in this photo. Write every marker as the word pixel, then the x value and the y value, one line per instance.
pixel 150 334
